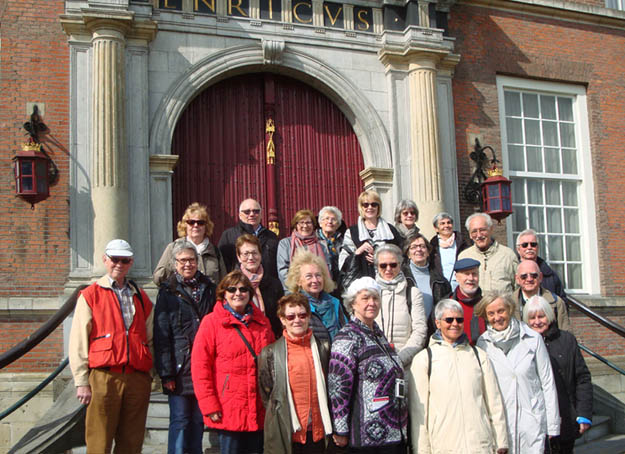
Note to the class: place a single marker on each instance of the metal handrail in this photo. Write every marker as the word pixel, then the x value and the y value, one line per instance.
pixel 34 392
pixel 602 359
pixel 615 327
pixel 44 330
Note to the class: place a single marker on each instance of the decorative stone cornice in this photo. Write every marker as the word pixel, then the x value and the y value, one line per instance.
pixel 399 49
pixel 376 175
pixel 163 163
pixel 123 22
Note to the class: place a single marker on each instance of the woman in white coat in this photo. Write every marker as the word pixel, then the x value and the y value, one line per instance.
pixel 402 313
pixel 523 370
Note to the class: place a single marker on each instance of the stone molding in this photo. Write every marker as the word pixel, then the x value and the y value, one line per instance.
pixel 163 163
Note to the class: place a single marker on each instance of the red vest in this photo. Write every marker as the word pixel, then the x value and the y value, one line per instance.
pixel 109 344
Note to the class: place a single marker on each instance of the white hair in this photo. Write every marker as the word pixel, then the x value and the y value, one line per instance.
pixel 334 210
pixel 525 233
pixel 486 216
pixel 446 305
pixel 536 304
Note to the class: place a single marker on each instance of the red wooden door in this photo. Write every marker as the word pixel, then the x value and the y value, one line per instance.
pixel 221 141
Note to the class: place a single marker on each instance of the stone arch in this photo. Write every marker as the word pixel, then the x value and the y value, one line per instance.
pixel 365 121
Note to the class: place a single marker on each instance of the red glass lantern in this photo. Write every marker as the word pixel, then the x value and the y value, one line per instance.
pixel 31 173
pixel 496 198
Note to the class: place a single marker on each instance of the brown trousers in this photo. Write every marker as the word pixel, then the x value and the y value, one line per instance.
pixel 118 410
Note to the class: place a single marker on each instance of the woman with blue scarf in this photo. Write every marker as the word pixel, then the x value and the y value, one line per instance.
pixel 309 275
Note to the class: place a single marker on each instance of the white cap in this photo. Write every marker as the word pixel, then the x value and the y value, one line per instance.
pixel 118 248
pixel 364 283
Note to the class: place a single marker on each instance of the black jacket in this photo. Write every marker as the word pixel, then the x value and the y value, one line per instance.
pixel 551 280
pixel 272 291
pixel 176 320
pixel 573 382
pixel 435 256
pixel 268 244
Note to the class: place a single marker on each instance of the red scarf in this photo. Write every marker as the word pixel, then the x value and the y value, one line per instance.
pixel 255 279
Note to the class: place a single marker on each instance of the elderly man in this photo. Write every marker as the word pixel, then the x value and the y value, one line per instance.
pixel 454 398
pixel 110 355
pixel 527 248
pixel 468 294
pixel 249 222
pixel 498 262
pixel 529 278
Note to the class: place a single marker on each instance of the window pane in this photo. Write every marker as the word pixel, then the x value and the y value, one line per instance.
pixel 26 168
pixel 514 130
pixel 569 192
pixel 532 132
pixel 541 243
pixel 571 221
pixel 27 184
pixel 567 134
pixel 552 160
pixel 530 105
pixel 537 219
pixel 552 192
pixel 518 219
pixel 516 157
pixel 556 249
pixel 550 133
pixel 565 108
pixel 534 159
pixel 569 161
pixel 548 107
pixel 535 192
pixel 573 251
pixel 513 103
pixel 574 276
pixel 518 193
pixel 558 268
pixel 554 220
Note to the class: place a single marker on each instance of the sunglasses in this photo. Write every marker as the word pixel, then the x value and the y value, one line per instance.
pixel 450 320
pixel 196 222
pixel 240 289
pixel 372 204
pixel 250 211
pixel 525 276
pixel 386 265
pixel 531 243
pixel 124 260
pixel 301 316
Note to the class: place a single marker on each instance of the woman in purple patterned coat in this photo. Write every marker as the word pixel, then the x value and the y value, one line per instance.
pixel 366 380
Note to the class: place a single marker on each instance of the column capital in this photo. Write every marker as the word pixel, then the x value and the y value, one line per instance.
pixel 163 163
pixel 122 24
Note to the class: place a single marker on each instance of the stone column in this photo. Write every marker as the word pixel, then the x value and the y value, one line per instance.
pixel 109 160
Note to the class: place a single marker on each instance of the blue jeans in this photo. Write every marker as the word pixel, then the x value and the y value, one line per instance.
pixel 240 442
pixel 186 426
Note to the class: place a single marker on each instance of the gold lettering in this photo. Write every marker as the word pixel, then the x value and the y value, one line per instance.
pixel 363 20
pixel 166 5
pixel 270 10
pixel 309 21
pixel 210 6
pixel 333 19
pixel 237 7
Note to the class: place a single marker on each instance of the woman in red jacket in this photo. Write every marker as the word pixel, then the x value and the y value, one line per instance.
pixel 223 366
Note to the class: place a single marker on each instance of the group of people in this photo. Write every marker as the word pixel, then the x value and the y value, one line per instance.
pixel 364 339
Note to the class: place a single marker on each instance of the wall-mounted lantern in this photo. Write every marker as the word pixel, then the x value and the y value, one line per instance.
pixel 493 193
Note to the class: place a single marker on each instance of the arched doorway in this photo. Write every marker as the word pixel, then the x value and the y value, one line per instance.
pixel 222 142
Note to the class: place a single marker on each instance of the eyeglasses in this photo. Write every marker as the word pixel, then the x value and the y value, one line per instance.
pixel 124 260
pixel 199 222
pixel 240 289
pixel 372 204
pixel 408 213
pixel 450 320
pixel 301 316
pixel 524 276
pixel 250 211
pixel 305 223
pixel 188 261
pixel 414 247
pixel 247 254
pixel 529 243
pixel 385 265
pixel 329 220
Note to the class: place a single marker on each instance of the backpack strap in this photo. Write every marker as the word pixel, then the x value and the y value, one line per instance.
pixel 138 292
pixel 429 352
pixel 478 357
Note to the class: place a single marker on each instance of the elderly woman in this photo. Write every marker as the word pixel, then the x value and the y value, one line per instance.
pixel 196 227
pixel 402 316
pixel 423 274
pixel 455 403
pixel 303 236
pixel 573 382
pixel 523 371
pixel 183 301
pixel 308 276
pixel 267 290
pixel 366 379
pixel 406 217
pixel 291 378
pixel 330 232
pixel 223 366
pixel 371 231
pixel 446 245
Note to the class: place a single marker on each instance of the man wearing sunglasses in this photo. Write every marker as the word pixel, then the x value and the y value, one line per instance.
pixel 110 354
pixel 527 246
pixel 250 216
pixel 529 278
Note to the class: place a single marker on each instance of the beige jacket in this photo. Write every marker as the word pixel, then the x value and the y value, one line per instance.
pixel 558 306
pixel 211 264
pixel 459 407
pixel 498 266
pixel 79 336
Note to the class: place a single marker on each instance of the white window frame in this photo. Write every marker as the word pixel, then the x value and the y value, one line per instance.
pixel 587 218
pixel 615 4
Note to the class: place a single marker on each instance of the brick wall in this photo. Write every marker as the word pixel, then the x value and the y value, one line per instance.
pixel 34 67
pixel 493 42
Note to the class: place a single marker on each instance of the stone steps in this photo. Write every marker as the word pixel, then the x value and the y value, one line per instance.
pixel 610 444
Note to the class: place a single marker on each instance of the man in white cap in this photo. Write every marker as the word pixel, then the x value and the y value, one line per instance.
pixel 110 355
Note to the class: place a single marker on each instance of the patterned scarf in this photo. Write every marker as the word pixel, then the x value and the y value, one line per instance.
pixel 255 279
pixel 324 307
pixel 330 242
pixel 311 243
pixel 192 284
pixel 245 317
